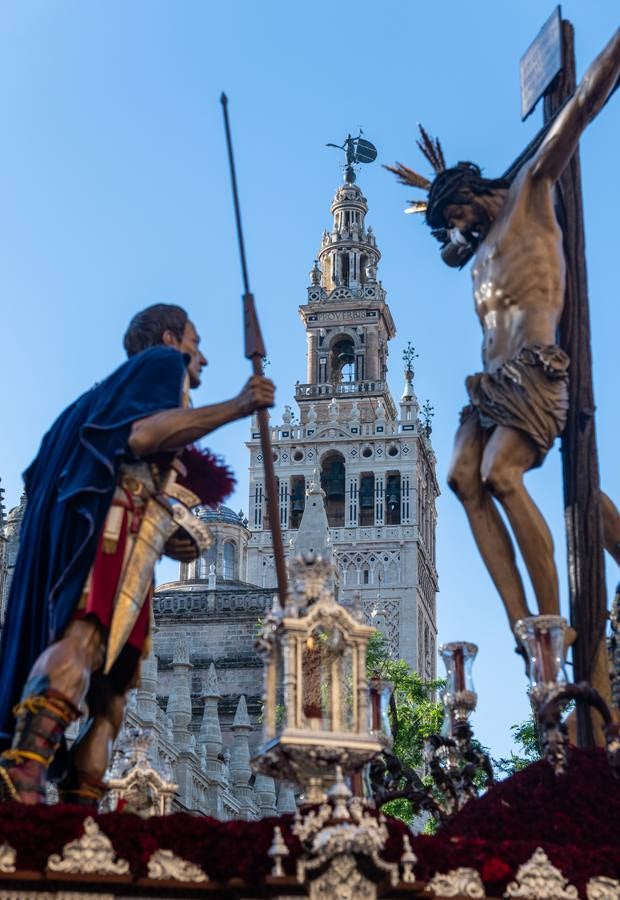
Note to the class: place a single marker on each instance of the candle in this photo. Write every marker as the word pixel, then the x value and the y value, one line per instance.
pixel 375 704
pixel 459 669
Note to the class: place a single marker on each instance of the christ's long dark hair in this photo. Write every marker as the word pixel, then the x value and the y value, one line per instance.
pixel 456 185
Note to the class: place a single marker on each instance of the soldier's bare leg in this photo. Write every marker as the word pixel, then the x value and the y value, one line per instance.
pixel 53 694
pixel 67 665
pixel 92 752
pixel 490 533
pixel 508 454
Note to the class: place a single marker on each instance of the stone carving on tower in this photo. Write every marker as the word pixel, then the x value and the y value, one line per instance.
pixel 373 461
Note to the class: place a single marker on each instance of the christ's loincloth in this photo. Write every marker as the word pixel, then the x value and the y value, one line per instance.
pixel 528 392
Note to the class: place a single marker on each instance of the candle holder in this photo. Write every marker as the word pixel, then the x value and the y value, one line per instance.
pixel 453 759
pixel 459 697
pixel 543 640
pixel 380 698
pixel 316 696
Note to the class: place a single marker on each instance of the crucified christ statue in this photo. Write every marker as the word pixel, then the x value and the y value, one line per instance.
pixel 518 403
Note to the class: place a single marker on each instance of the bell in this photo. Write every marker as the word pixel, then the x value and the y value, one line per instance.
pixel 366 498
pixel 392 501
pixel 298 504
pixel 333 485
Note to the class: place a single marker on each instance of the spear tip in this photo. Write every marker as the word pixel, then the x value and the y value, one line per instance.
pixel 223 99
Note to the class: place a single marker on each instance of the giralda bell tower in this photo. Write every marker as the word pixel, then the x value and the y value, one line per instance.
pixel 375 461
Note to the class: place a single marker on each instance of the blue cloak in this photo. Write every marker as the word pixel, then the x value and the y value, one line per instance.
pixel 69 487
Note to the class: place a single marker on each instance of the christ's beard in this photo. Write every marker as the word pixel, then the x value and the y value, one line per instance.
pixel 477 232
pixel 472 237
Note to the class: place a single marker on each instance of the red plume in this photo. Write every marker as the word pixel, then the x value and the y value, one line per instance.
pixel 207 476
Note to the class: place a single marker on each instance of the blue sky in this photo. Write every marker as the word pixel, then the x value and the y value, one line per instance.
pixel 115 195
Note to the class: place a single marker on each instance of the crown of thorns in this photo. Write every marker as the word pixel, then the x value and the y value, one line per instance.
pixel 444 186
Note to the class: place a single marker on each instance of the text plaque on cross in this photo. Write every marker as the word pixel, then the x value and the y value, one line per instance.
pixel 541 62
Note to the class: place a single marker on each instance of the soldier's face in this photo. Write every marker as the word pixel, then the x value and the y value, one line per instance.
pixel 189 343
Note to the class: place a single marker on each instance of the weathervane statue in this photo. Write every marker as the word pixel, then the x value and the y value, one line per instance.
pixel 518 403
pixel 357 150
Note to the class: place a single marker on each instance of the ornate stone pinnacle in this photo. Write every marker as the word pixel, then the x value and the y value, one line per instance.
pixel 181 653
pixel 242 720
pixel 212 686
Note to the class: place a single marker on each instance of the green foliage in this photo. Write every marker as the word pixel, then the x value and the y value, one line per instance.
pixel 525 736
pixel 430 826
pixel 416 713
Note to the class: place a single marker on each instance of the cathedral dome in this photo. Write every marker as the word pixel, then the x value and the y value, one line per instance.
pixel 221 513
pixel 14 520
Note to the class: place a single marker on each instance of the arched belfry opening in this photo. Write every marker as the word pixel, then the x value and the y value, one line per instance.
pixel 392 498
pixel 342 360
pixel 367 499
pixel 298 499
pixel 333 483
pixel 363 264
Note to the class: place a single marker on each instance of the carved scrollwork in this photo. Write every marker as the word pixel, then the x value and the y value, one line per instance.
pixel 7 858
pixel 603 888
pixel 165 866
pixel 539 879
pixel 91 854
pixel 343 880
pixel 342 828
pixel 457 883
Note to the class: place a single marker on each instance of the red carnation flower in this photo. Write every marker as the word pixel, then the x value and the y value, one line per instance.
pixel 495 869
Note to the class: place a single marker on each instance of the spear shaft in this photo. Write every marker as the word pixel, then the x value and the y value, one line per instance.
pixel 255 352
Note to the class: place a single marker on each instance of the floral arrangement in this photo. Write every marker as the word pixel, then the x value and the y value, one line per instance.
pixel 574 818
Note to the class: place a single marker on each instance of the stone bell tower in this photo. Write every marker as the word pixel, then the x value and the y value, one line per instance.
pixel 375 462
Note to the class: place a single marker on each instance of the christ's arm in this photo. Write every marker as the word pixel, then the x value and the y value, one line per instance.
pixel 591 95
pixel 174 428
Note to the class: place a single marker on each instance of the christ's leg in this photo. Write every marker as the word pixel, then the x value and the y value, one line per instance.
pixel 611 526
pixel 507 456
pixel 487 525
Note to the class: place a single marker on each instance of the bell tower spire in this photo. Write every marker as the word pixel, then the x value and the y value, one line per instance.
pixel 347 320
pixel 349 458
